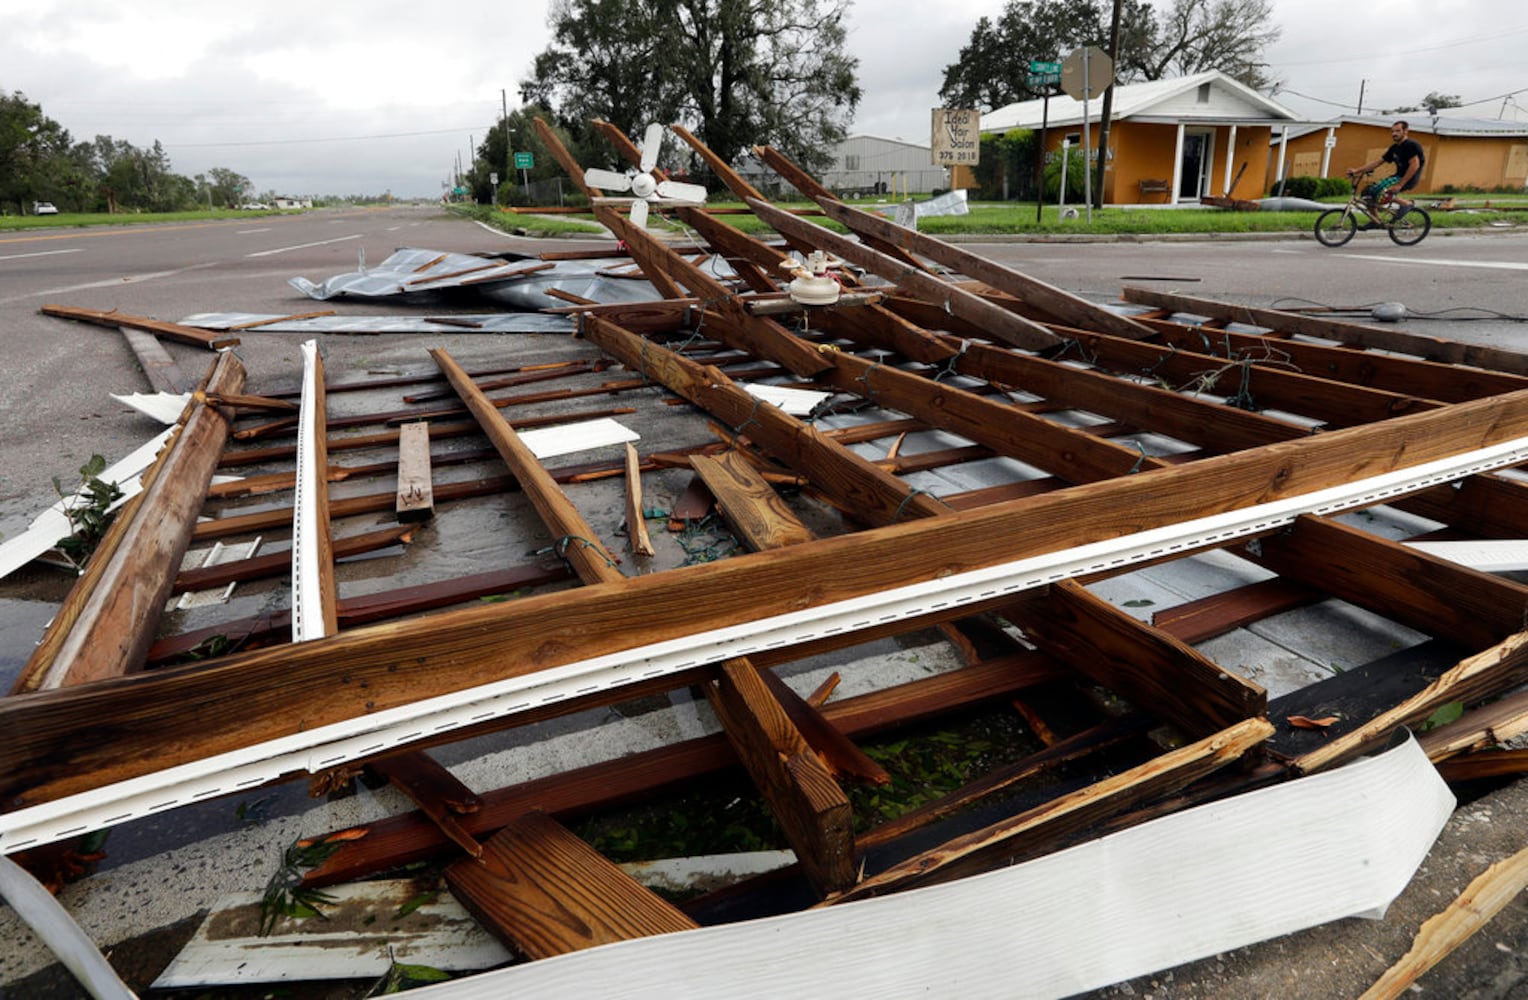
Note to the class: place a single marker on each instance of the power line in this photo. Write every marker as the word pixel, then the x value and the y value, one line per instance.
pixel 337 138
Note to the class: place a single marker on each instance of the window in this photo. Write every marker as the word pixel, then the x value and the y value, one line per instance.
pixel 851 161
pixel 1203 97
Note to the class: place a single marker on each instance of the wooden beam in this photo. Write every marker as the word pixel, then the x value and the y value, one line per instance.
pixel 410 837
pixel 998 322
pixel 545 892
pixel 636 520
pixel 163 374
pixel 1149 668
pixel 750 505
pixel 835 469
pixel 416 487
pixel 1353 334
pixel 1040 829
pixel 1062 306
pixel 574 538
pixel 1421 591
pixel 62 742
pixel 109 619
pixel 170 331
pixel 437 793
pixel 812 810
pixel 279 563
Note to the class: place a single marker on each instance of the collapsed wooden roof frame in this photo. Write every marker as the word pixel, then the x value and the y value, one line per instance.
pixel 1404 427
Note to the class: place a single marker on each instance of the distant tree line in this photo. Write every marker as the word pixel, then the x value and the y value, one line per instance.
pixel 40 161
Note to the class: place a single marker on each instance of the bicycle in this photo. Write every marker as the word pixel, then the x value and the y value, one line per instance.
pixel 1406 226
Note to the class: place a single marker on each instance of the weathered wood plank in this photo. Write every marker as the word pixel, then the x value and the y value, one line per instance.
pixel 65 741
pixel 1353 334
pixel 170 331
pixel 436 791
pixel 411 837
pixel 753 508
pixel 812 810
pixel 416 486
pixel 575 539
pixel 1039 829
pixel 550 893
pixel 1422 591
pixel 163 374
pixel 1154 671
pixel 636 522
pixel 110 617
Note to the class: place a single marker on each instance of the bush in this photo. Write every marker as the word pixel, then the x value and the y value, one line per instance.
pixel 1296 187
pixel 1333 187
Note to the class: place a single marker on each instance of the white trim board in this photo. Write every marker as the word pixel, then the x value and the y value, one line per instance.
pixel 1196 883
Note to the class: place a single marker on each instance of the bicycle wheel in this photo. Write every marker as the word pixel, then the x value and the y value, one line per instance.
pixel 1335 227
pixel 1409 229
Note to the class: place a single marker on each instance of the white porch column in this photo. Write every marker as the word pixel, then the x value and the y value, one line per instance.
pixel 1283 150
pixel 1326 149
pixel 1177 166
pixel 1230 155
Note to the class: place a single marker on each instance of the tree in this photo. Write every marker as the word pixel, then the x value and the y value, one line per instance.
pixel 992 67
pixel 31 146
pixel 1198 35
pixel 1189 37
pixel 736 72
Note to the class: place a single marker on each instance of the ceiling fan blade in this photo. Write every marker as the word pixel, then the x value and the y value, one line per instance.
pixel 639 214
pixel 650 145
pixel 606 180
pixel 680 191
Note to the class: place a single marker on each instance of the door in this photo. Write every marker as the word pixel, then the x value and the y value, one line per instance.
pixel 1198 159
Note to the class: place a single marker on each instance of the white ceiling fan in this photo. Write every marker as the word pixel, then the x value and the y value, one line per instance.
pixel 644 186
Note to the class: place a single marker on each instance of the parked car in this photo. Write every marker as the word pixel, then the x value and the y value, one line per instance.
pixel 43 208
pixel 255 206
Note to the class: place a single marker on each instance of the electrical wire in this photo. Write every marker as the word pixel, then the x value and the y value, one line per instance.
pixel 1480 313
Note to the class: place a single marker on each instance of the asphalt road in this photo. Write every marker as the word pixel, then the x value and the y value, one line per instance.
pixel 55 407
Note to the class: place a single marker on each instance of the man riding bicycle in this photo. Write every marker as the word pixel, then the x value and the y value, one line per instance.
pixel 1406 154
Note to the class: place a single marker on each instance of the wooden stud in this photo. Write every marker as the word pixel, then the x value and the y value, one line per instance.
pixel 416 488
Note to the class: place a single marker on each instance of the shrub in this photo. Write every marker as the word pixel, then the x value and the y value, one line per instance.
pixel 1333 187
pixel 1296 187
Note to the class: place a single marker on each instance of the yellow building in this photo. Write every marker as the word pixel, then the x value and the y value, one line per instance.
pixel 1460 152
pixel 1170 141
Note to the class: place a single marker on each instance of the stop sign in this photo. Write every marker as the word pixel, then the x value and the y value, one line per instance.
pixel 1081 84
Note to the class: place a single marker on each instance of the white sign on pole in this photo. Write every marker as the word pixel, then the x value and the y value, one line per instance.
pixel 956 136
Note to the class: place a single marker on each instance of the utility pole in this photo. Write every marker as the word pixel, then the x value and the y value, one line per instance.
pixel 1108 112
pixel 1361 84
pixel 504 125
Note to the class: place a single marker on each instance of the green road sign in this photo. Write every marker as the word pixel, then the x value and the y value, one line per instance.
pixel 1038 67
pixel 1038 80
pixel 524 161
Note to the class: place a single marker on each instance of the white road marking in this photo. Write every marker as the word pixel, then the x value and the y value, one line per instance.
pixel 304 246
pixel 1499 265
pixel 129 279
pixel 246 232
pixel 40 253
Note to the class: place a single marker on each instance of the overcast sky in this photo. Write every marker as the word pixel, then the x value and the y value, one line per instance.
pixel 343 97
